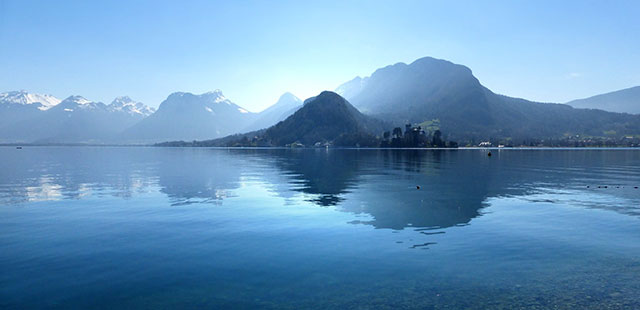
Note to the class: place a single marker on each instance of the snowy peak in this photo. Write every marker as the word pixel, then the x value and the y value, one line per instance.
pixel 78 100
pixel 23 97
pixel 129 106
pixel 210 97
pixel 73 103
pixel 212 102
pixel 187 116
pixel 122 101
pixel 216 96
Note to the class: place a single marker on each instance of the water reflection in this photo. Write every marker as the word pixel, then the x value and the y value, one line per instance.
pixel 198 176
pixel 325 174
pixel 35 174
pixel 442 200
pixel 383 184
pixel 454 185
pixel 150 227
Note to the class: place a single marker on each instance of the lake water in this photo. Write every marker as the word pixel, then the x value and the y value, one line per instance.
pixel 117 228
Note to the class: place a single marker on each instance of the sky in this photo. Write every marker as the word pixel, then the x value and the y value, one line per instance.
pixel 254 51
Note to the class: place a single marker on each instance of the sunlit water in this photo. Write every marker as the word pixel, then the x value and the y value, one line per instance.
pixel 114 228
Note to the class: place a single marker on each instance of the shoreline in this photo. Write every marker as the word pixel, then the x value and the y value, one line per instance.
pixel 332 148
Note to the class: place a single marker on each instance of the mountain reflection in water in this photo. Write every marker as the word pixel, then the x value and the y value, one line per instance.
pixel 142 227
pixel 454 184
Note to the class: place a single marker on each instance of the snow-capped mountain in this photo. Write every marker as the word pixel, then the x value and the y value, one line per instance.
pixel 22 97
pixel 17 106
pixel 73 120
pixel 283 108
pixel 129 106
pixel 185 116
pixel 78 103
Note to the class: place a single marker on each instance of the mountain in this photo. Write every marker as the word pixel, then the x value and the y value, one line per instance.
pixel 285 106
pixel 431 89
pixel 22 97
pixel 16 106
pixel 185 116
pixel 324 118
pixel 126 105
pixel 622 101
pixel 74 120
pixel 352 88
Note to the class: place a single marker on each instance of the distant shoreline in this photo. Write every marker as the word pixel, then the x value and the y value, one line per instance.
pixel 331 148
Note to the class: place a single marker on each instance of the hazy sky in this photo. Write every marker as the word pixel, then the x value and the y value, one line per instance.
pixel 256 50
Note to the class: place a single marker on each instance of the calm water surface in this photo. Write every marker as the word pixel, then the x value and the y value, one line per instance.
pixel 117 228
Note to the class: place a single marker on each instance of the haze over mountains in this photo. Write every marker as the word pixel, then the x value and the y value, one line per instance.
pixel 185 116
pixel 433 89
pixel 351 88
pixel 77 119
pixel 325 119
pixel 622 101
pixel 285 106
pixel 16 106
pixel 428 90
pixel 34 118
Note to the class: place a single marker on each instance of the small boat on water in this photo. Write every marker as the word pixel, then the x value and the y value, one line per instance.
pixel 19 147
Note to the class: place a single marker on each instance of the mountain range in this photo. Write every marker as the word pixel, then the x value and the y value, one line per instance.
pixel 431 89
pixel 427 91
pixel 325 119
pixel 285 106
pixel 77 119
pixel 328 117
pixel 16 106
pixel 35 118
pixel 353 87
pixel 185 116
pixel 621 101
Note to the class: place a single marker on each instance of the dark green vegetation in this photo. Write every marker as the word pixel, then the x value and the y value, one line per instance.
pixel 415 136
pixel 430 89
pixel 326 118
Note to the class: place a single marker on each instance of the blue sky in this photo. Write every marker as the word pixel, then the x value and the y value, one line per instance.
pixel 254 51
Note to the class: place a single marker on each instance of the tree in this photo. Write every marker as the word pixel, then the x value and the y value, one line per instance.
pixel 437 139
pixel 397 132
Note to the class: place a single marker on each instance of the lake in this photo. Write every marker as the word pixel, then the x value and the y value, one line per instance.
pixel 143 227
